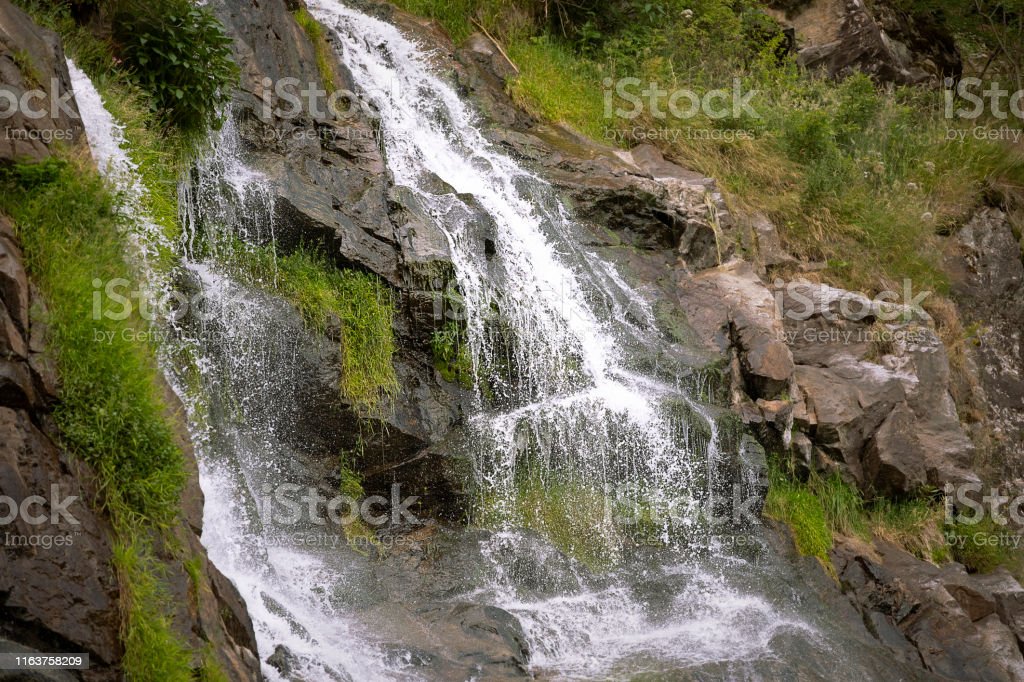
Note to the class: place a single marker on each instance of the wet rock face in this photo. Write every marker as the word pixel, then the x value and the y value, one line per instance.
pixel 953 624
pixel 327 172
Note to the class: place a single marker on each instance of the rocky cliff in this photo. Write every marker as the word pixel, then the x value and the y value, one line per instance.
pixel 59 591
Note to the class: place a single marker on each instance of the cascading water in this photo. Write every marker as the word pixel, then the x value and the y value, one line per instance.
pixel 580 415
pixel 568 396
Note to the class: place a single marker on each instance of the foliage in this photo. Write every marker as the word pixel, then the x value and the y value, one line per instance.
pixel 110 414
pixel 152 650
pixel 357 303
pixel 981 547
pixel 324 55
pixel 800 509
pixel 178 52
pixel 452 356
pixel 819 508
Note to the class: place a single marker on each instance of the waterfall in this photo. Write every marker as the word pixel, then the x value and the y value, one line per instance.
pixel 563 394
pixel 580 413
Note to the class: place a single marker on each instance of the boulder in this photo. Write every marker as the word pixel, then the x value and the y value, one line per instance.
pixel 874 379
pixel 728 306
pixel 889 42
pixel 948 617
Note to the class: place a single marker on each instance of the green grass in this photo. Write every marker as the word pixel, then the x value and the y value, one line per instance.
pixel 849 172
pixel 971 545
pixel 152 650
pixel 557 86
pixel 820 509
pixel 110 414
pixel 326 296
pixel 800 509
pixel 324 55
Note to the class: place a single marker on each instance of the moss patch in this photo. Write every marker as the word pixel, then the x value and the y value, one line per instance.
pixel 324 55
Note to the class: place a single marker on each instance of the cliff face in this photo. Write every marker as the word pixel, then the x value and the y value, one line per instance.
pixel 59 591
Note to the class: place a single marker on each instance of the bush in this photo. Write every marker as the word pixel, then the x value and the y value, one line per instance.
pixel 178 52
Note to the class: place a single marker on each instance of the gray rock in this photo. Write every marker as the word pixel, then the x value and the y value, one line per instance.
pixel 32 58
pixel 888 42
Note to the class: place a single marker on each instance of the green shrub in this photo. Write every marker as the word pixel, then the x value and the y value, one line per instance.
pixel 178 52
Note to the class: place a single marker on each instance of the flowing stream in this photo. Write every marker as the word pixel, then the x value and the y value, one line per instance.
pixel 570 399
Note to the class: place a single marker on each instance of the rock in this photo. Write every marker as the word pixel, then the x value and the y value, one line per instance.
pixel 58 590
pixel 326 172
pixel 769 252
pixel 460 640
pixel 32 59
pixel 945 614
pixel 729 306
pixel 988 286
pixel 890 43
pixel 13 282
pixel 873 382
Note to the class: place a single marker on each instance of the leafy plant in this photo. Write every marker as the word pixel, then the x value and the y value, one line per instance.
pixel 178 52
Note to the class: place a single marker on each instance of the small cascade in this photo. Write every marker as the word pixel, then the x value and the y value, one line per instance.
pixel 565 405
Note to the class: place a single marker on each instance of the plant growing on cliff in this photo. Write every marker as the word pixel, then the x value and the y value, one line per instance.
pixel 178 52
pixel 324 56
pixel 110 413
pixel 353 306
pixel 452 355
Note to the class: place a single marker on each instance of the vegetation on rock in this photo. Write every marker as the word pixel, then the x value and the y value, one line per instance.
pixel 356 305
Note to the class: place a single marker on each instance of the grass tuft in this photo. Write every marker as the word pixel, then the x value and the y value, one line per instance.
pixel 152 650
pixel 358 305
pixel 324 55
